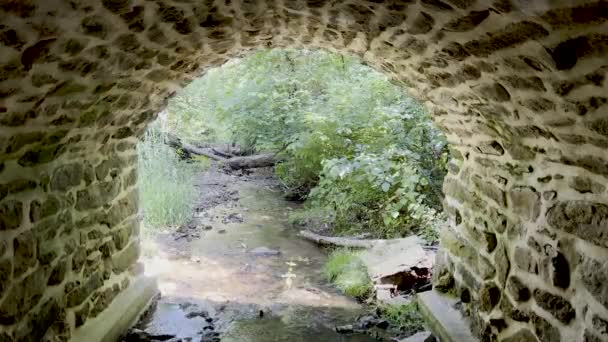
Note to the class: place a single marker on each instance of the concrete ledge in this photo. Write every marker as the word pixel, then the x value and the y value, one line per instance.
pixel 442 319
pixel 123 312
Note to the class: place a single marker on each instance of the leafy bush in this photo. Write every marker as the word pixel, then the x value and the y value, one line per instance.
pixel 351 142
pixel 166 184
pixel 347 271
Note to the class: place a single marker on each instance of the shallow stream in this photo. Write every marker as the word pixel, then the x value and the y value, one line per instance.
pixel 241 271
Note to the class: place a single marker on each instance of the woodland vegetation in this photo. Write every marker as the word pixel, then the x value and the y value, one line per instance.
pixel 363 155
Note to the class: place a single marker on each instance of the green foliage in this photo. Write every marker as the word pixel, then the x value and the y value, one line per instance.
pixel 407 316
pixel 166 184
pixel 347 271
pixel 352 143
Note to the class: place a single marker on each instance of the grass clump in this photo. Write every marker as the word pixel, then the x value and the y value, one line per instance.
pixel 346 270
pixel 166 183
pixel 405 317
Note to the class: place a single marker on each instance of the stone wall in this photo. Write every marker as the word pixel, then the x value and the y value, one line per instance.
pixel 518 86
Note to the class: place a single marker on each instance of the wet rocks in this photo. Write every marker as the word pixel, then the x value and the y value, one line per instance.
pixel 264 252
pixel 233 218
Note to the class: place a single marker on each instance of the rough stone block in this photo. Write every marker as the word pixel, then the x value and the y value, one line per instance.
pixel 525 202
pixel 11 214
pixel 525 260
pixel 587 220
pixel 518 289
pixel 556 305
pixel 23 296
pixel 594 274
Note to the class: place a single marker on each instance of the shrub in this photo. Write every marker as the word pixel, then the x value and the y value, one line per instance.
pixel 347 271
pixel 406 317
pixel 166 184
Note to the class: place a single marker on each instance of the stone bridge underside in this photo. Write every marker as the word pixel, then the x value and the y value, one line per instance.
pixel 518 86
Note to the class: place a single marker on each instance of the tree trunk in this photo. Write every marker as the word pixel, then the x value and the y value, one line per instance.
pixel 338 241
pixel 235 163
pixel 251 162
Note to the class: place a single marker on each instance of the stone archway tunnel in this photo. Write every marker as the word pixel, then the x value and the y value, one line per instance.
pixel 519 87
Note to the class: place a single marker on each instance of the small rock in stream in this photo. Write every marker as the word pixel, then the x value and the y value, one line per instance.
pixel 345 329
pixel 222 231
pixel 264 252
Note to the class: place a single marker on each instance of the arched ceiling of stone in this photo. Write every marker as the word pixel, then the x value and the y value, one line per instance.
pixel 518 79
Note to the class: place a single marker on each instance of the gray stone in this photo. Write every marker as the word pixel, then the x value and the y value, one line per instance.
pixel 585 185
pixel 78 259
pixel 556 305
pixel 525 202
pixel 81 315
pixel 491 191
pixel 48 207
pixel 97 195
pixel 525 260
pixel 11 214
pixel 522 335
pixel 517 289
pixel 24 247
pixel 6 275
pixel 507 307
pixel 22 297
pixel 486 269
pixel 544 330
pixel 503 265
pixel 66 177
pixel 600 325
pixel 587 220
pixel 561 271
pixel 78 295
pixel 489 297
pixel 594 275
pixel 58 273
pixel 124 259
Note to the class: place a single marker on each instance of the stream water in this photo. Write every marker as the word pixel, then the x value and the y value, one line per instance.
pixel 240 273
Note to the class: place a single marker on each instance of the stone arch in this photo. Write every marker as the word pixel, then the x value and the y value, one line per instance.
pixel 518 86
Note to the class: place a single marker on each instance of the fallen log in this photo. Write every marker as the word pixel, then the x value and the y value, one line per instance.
pixel 251 162
pixel 338 241
pixel 233 163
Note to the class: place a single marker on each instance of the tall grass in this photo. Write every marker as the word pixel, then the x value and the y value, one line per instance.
pixel 346 270
pixel 166 184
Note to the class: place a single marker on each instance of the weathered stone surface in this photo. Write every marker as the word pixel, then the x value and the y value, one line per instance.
pixel 525 202
pixel 78 295
pixel 594 274
pixel 24 249
pixel 80 316
pixel 587 220
pixel 518 290
pixel 97 195
pixel 11 214
pixel 503 265
pixel 58 272
pixel 556 305
pixel 489 296
pixel 66 177
pixel 544 330
pixel 600 325
pixel 585 185
pixel 45 208
pixel 522 335
pixel 490 190
pixel 561 271
pixel 124 259
pixel 74 93
pixel 23 296
pixel 525 260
